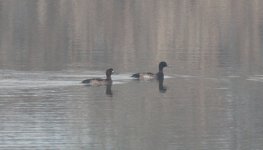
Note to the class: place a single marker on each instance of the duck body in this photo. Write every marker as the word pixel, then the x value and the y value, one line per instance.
pixel 144 76
pixel 100 81
pixel 97 81
pixel 149 76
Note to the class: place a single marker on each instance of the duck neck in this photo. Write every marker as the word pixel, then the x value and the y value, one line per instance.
pixel 108 77
pixel 160 76
pixel 160 69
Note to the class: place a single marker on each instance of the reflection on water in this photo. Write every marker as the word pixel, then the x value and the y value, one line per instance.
pixel 162 88
pixel 108 89
pixel 211 98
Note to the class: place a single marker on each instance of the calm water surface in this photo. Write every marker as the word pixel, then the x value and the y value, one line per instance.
pixel 211 97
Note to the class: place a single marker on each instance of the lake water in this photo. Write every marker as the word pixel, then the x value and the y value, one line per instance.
pixel 211 97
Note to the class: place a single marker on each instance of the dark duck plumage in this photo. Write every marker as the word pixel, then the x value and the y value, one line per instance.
pixel 148 75
pixel 100 81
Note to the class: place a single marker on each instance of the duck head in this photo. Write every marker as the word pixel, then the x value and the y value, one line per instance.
pixel 109 72
pixel 162 64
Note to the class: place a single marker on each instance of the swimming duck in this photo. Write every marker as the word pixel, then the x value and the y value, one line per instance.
pixel 100 81
pixel 148 75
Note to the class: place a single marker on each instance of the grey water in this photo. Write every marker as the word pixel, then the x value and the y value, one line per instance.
pixel 211 97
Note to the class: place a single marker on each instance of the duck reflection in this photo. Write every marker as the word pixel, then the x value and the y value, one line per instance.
pixel 108 90
pixel 160 78
pixel 162 89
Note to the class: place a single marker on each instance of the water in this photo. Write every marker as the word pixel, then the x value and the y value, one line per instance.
pixel 211 97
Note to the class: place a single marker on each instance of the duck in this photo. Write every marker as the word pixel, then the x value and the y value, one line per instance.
pixel 149 76
pixel 100 81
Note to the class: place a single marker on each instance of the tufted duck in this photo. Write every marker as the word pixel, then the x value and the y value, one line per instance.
pixel 148 75
pixel 99 81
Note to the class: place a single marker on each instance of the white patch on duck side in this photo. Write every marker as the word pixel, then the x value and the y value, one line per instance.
pixel 98 82
pixel 147 76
